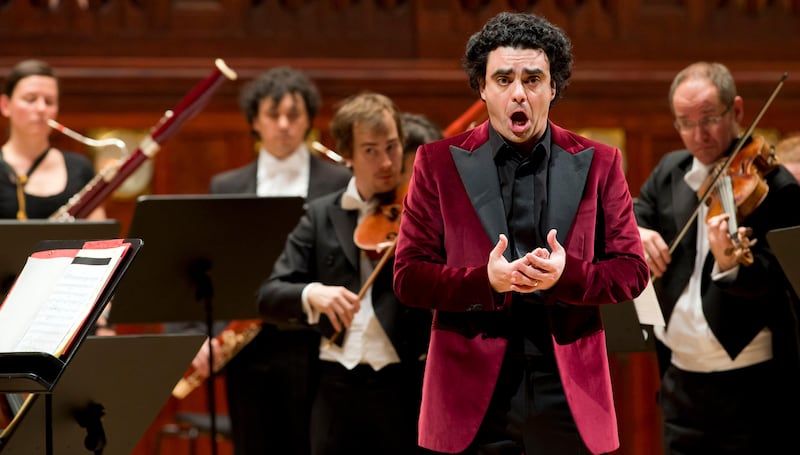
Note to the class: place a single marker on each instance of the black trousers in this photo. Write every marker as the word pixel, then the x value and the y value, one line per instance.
pixel 362 411
pixel 270 386
pixel 744 411
pixel 528 413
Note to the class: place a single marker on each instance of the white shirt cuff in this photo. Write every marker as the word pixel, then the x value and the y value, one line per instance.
pixel 312 317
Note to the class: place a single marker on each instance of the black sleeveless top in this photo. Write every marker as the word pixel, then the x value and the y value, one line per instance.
pixel 79 172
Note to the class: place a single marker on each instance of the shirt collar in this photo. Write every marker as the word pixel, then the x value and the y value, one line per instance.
pixel 351 200
pixel 499 145
pixel 269 166
pixel 697 174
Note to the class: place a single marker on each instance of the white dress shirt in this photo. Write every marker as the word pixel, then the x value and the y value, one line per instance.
pixel 286 177
pixel 365 342
pixel 694 346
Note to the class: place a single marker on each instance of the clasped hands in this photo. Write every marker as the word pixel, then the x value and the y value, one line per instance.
pixel 538 270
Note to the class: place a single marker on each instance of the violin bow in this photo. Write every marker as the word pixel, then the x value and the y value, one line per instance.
pixel 378 267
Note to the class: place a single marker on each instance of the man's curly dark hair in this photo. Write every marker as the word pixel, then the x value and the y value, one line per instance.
pixel 521 31
pixel 275 84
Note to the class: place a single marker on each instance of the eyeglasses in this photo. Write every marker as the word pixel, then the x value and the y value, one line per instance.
pixel 686 126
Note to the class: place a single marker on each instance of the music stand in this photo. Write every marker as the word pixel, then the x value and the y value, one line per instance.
pixel 203 248
pixel 18 239
pixel 624 332
pixel 38 372
pixel 785 245
pixel 109 395
pixel 230 240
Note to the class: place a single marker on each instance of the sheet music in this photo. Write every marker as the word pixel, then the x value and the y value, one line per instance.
pixel 647 307
pixel 52 297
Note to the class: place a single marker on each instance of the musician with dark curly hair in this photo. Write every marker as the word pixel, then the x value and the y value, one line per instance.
pixel 270 382
pixel 515 232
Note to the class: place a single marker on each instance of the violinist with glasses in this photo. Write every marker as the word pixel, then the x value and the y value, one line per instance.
pixel 728 354
pixel 373 348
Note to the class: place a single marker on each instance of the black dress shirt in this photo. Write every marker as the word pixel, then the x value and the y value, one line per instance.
pixel 523 186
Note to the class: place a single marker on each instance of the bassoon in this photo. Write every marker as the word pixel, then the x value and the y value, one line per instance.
pixel 112 176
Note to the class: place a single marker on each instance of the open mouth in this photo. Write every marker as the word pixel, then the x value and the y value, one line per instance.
pixel 519 120
pixel 519 117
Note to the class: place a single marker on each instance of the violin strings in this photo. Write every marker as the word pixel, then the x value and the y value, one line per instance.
pixel 726 198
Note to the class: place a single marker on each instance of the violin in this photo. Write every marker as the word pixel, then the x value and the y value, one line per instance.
pixel 746 172
pixel 378 230
pixel 740 189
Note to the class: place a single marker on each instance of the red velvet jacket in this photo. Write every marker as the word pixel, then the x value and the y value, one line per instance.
pixel 453 214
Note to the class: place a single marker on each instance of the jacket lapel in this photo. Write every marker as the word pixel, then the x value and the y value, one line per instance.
pixel 568 172
pixel 566 182
pixel 479 176
pixel 685 201
pixel 344 223
pixel 248 184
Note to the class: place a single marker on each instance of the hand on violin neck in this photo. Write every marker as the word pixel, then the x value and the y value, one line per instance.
pixel 728 252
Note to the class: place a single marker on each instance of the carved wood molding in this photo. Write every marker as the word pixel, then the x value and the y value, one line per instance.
pixel 404 29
